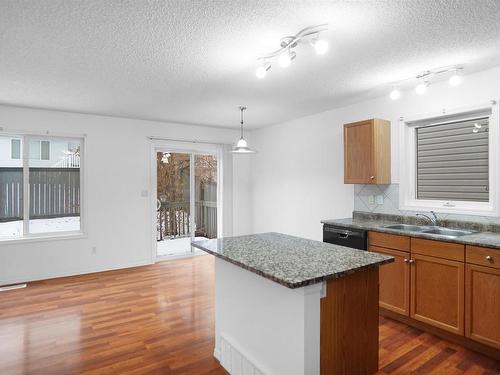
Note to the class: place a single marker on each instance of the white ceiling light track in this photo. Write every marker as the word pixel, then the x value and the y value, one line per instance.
pixel 286 54
pixel 425 78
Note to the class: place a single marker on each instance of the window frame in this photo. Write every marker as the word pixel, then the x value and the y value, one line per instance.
pixel 408 163
pixel 25 138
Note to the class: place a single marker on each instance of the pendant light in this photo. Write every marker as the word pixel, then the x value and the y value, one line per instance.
pixel 242 146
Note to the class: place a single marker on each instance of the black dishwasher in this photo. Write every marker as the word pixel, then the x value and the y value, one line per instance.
pixel 355 238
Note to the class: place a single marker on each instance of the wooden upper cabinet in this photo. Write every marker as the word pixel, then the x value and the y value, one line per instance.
pixel 367 152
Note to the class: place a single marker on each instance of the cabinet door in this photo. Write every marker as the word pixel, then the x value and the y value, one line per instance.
pixel 482 304
pixel 358 153
pixel 437 292
pixel 394 281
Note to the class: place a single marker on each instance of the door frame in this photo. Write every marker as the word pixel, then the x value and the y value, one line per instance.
pixel 183 147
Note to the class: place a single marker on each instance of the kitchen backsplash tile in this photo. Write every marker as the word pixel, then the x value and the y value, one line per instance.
pixel 363 202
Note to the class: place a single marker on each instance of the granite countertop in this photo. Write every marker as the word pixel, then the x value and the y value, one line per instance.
pixel 291 261
pixel 486 239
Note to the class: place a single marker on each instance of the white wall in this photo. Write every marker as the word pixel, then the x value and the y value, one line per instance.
pixel 298 172
pixel 117 170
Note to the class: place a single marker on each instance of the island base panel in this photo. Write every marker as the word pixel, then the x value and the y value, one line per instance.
pixel 349 325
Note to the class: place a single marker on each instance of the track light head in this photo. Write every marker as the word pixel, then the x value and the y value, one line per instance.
pixel 395 94
pixel 261 70
pixel 320 46
pixel 455 79
pixel 421 88
pixel 286 58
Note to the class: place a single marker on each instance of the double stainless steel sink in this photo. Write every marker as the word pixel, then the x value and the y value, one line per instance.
pixel 436 230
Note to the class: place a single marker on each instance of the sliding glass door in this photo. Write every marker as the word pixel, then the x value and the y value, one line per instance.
pixel 186 204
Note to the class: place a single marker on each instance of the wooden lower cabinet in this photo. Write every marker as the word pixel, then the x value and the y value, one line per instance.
pixel 394 281
pixel 482 304
pixel 446 288
pixel 437 292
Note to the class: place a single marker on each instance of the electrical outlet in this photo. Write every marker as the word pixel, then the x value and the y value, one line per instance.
pixel 380 199
pixel 94 250
pixel 371 199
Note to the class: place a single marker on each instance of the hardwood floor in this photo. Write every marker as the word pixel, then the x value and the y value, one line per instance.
pixel 160 320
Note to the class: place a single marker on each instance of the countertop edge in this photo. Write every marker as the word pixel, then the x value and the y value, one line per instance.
pixel 300 284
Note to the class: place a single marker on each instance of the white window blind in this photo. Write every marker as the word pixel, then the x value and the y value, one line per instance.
pixel 452 160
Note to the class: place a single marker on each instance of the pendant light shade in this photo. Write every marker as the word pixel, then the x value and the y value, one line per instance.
pixel 242 145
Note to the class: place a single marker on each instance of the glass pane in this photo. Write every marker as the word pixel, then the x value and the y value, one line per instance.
pixel 173 193
pixel 45 150
pixel 55 186
pixel 173 202
pixel 15 151
pixel 11 189
pixel 206 196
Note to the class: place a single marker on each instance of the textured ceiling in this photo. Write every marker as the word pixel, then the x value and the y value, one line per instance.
pixel 194 61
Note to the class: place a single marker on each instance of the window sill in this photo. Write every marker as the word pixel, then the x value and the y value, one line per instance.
pixel 43 238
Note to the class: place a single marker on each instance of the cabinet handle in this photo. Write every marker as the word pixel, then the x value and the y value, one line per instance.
pixel 411 261
pixel 405 260
pixel 372 177
pixel 489 258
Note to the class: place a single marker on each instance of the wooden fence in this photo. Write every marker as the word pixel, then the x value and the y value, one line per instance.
pixel 54 192
pixel 173 220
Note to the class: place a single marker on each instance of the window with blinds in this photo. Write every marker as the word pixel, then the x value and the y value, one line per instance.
pixel 452 161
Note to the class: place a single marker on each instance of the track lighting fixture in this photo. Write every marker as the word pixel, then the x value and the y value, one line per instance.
pixel 425 78
pixel 285 54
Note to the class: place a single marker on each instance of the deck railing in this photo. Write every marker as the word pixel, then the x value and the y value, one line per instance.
pixel 173 220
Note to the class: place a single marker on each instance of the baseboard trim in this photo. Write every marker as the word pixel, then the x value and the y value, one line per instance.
pixel 58 275
pixel 6 288
pixel 216 354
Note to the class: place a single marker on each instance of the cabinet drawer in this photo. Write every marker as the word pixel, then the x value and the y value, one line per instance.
pixel 445 250
pixel 390 241
pixel 483 256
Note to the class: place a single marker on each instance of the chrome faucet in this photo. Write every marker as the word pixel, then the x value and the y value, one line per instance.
pixel 434 219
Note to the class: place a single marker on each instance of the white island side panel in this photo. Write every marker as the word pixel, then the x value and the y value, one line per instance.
pixel 262 327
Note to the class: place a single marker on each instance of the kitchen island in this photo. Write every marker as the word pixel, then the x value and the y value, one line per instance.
pixel 288 305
